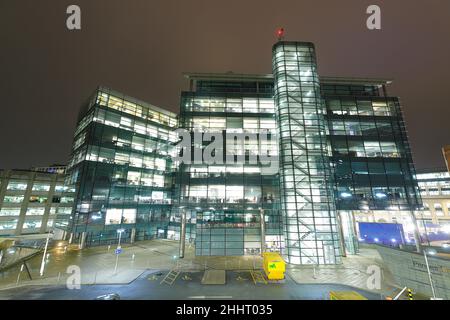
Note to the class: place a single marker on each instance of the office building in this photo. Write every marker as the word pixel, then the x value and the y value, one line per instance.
pixel 339 144
pixel 29 201
pixel 121 168
pixel 224 202
pixel 434 187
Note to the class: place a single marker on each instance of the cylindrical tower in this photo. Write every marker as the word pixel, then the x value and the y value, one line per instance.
pixel 307 200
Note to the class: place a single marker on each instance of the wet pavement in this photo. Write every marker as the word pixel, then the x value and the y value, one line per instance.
pixel 239 285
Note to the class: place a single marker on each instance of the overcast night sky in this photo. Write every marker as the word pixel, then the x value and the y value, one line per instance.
pixel 141 47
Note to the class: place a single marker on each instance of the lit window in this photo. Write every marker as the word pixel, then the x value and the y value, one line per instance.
pixel 17 186
pixel 8 224
pixel 13 199
pixel 35 211
pixel 10 212
pixel 32 223
pixel 38 199
pixel 41 187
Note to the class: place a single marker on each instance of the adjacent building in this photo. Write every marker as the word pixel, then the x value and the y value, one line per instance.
pixel 121 168
pixel 434 187
pixel 29 201
pixel 339 145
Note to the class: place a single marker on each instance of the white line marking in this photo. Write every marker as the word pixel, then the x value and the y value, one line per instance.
pixel 210 297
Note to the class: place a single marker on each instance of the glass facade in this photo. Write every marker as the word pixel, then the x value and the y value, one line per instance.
pixel 224 202
pixel 340 143
pixel 122 170
pixel 371 159
pixel 307 201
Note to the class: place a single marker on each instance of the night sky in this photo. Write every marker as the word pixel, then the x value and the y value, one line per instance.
pixel 141 47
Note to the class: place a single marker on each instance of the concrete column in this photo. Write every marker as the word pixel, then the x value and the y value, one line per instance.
pixel 182 233
pixel 71 238
pixel 263 231
pixel 133 235
pixel 83 240
pixel 48 205
pixel 25 203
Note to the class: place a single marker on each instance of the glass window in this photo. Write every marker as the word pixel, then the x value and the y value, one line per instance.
pixel 380 108
pixel 66 199
pixel 60 188
pixel 13 199
pixel 438 209
pixel 389 149
pixel 337 127
pixel 234 122
pixel 16 185
pixel 9 211
pixel 335 107
pixel 250 105
pixel 41 187
pixel 353 128
pixel 368 129
pixel 217 105
pixel 365 108
pixel 32 223
pixel 267 124
pixel 376 168
pixel 38 199
pixel 35 211
pixel 234 105
pixel 266 106
pixel 8 224
pixel 393 168
pixel 113 216
pixel 356 148
pixel 372 149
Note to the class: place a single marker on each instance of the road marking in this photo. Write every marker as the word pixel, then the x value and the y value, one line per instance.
pixel 210 297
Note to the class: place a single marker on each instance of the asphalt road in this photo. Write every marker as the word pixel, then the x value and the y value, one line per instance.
pixel 187 286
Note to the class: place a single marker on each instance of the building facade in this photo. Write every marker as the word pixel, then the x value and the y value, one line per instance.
pixel 434 187
pixel 29 201
pixel 122 170
pixel 339 144
pixel 225 202
pixel 371 157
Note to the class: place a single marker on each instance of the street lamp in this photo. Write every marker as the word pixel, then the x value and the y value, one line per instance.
pixel 431 252
pixel 119 231
pixel 41 271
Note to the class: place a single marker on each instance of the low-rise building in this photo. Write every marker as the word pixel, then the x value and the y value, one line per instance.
pixel 434 187
pixel 29 200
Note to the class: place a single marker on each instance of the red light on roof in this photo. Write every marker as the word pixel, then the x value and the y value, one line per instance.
pixel 280 33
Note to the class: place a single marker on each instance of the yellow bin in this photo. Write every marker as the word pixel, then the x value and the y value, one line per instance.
pixel 274 265
pixel 346 295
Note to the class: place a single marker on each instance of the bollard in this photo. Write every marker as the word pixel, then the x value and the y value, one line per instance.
pixel 410 294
